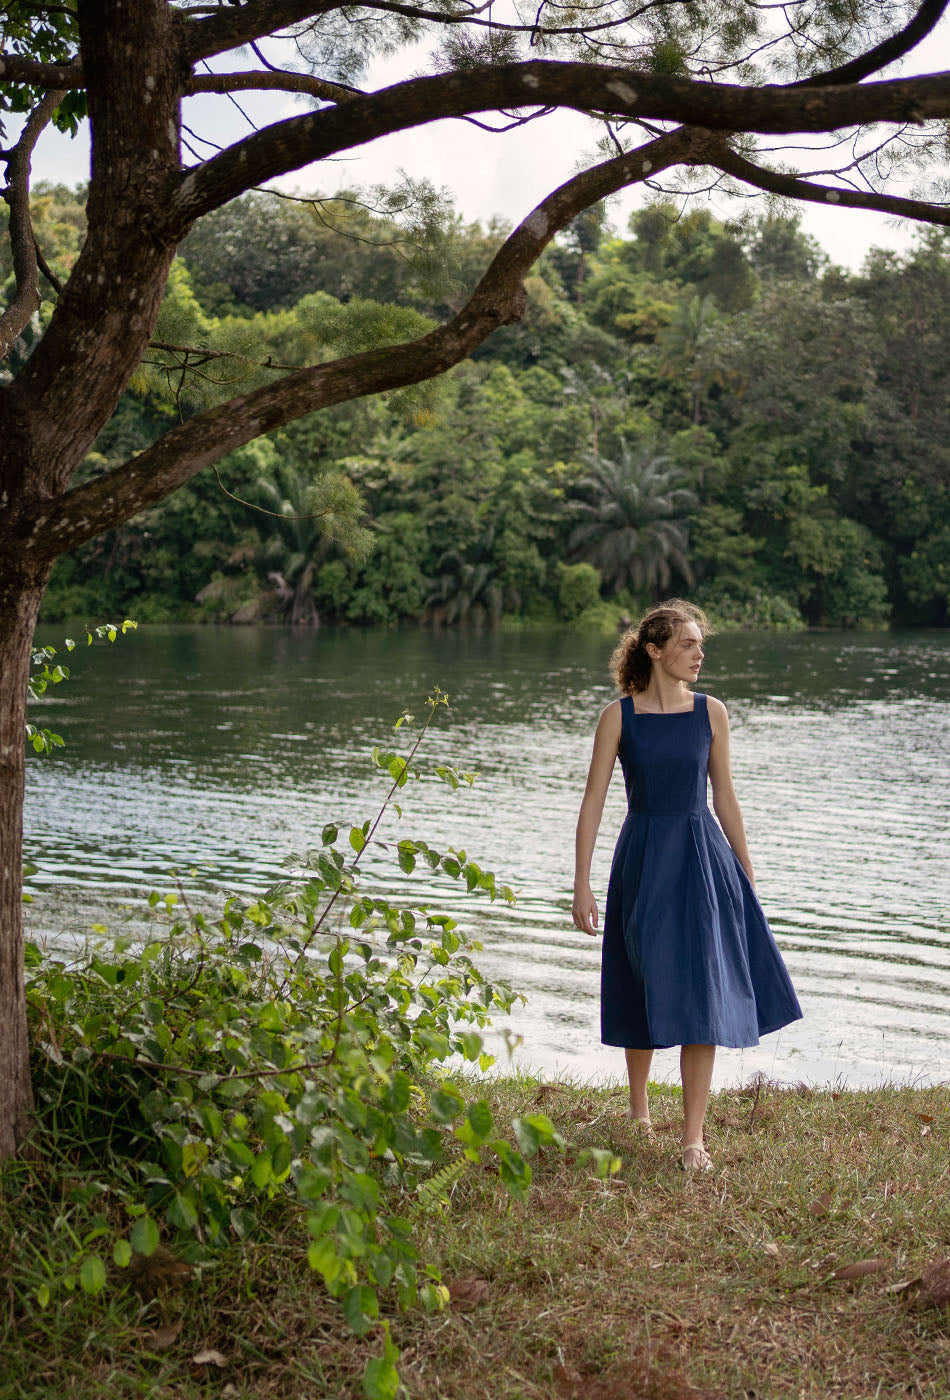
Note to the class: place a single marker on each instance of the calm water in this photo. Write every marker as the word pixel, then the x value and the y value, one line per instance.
pixel 223 749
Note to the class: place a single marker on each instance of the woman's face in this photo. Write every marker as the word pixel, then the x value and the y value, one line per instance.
pixel 681 657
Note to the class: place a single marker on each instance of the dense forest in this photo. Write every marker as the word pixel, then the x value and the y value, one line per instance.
pixel 692 405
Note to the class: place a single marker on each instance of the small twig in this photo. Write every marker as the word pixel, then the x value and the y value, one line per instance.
pixel 379 816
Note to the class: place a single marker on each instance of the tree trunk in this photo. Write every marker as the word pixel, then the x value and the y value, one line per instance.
pixel 19 606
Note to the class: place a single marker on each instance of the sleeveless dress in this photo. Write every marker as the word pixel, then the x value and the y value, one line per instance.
pixel 688 957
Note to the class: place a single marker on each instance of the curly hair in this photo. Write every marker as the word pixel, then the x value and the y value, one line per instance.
pixel 630 664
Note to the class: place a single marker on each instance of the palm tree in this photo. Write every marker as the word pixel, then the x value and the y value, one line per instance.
pixel 631 527
pixel 306 516
pixel 466 588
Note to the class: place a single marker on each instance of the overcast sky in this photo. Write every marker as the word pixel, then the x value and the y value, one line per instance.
pixel 486 175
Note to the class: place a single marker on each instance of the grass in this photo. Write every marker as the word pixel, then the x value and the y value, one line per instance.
pixel 651 1286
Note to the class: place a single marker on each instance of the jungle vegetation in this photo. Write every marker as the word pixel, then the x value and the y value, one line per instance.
pixel 685 404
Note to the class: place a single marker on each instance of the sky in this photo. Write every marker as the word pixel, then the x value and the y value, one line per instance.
pixel 486 175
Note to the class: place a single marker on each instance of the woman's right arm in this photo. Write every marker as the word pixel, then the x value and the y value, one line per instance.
pixel 606 743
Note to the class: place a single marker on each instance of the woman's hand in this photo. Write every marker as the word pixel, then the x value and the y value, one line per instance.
pixel 584 912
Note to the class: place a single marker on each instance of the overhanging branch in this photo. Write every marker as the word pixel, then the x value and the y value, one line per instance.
pixel 269 80
pixel 287 146
pixel 15 68
pixel 498 299
pixel 793 187
pixel 888 51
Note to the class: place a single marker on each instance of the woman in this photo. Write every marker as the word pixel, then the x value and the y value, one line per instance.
pixel 688 958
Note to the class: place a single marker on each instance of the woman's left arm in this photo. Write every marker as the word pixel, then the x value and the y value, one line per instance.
pixel 725 802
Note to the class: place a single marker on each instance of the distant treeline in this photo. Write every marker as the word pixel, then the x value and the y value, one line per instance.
pixel 693 406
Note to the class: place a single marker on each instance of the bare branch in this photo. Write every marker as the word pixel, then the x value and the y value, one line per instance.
pixel 270 80
pixel 230 28
pixel 46 270
pixel 498 299
pixel 888 51
pixel 588 88
pixel 17 315
pixel 722 157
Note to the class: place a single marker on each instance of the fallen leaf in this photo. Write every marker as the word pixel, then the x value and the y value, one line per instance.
pixel 163 1337
pixel 770 1247
pixel 924 1131
pixel 821 1204
pixel 860 1269
pixel 545 1090
pixel 148 1273
pixel 209 1357
pixel 925 1117
pixel 935 1285
pixel 469 1292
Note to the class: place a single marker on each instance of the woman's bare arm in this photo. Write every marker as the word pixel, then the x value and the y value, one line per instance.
pixel 725 803
pixel 606 743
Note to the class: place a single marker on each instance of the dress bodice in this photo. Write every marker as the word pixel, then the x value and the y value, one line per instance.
pixel 665 758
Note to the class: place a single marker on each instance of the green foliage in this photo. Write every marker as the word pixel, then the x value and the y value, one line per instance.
pixel 48 672
pixel 578 588
pixel 631 526
pixel 288 1054
pixel 47 34
pixel 469 489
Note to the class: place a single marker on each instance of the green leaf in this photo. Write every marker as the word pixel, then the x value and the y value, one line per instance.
pixel 357 839
pixel 361 1308
pixel 480 1118
pixel 261 1171
pixel 43 1295
pixel 144 1236
pixel 446 1103
pixel 330 833
pixel 323 1257
pixel 122 1253
pixel 380 1377
pixel 535 1130
pixel 92 1274
pixel 182 1212
pixel 513 1169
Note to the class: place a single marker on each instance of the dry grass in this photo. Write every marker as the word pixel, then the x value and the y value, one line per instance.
pixel 654 1286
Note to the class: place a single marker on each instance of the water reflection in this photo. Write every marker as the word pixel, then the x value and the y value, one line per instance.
pixel 218 750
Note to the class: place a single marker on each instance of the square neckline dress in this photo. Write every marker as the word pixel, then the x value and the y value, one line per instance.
pixel 688 956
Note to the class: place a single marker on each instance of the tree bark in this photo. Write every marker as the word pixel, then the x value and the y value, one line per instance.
pixel 19 605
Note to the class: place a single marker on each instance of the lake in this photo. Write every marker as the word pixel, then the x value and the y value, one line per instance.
pixel 220 750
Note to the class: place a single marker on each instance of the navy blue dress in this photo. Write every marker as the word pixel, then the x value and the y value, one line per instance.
pixel 688 957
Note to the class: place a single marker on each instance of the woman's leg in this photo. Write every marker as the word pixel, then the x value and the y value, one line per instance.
pixel 638 1073
pixel 696 1067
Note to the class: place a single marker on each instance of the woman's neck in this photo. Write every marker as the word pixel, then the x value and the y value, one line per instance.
pixel 663 694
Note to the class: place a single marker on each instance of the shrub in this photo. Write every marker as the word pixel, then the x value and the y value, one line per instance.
pixel 288 1054
pixel 578 588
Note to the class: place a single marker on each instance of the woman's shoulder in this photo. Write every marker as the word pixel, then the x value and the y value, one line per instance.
pixel 717 710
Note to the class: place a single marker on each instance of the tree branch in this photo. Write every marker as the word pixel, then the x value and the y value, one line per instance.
pixel 14 68
pixel 256 19
pixel 270 80
pixel 17 315
pixel 288 145
pixel 888 51
pixel 793 187
pixel 498 299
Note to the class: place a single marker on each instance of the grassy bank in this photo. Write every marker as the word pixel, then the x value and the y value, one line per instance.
pixel 649 1286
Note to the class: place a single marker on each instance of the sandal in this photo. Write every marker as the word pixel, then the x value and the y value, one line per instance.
pixel 695 1158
